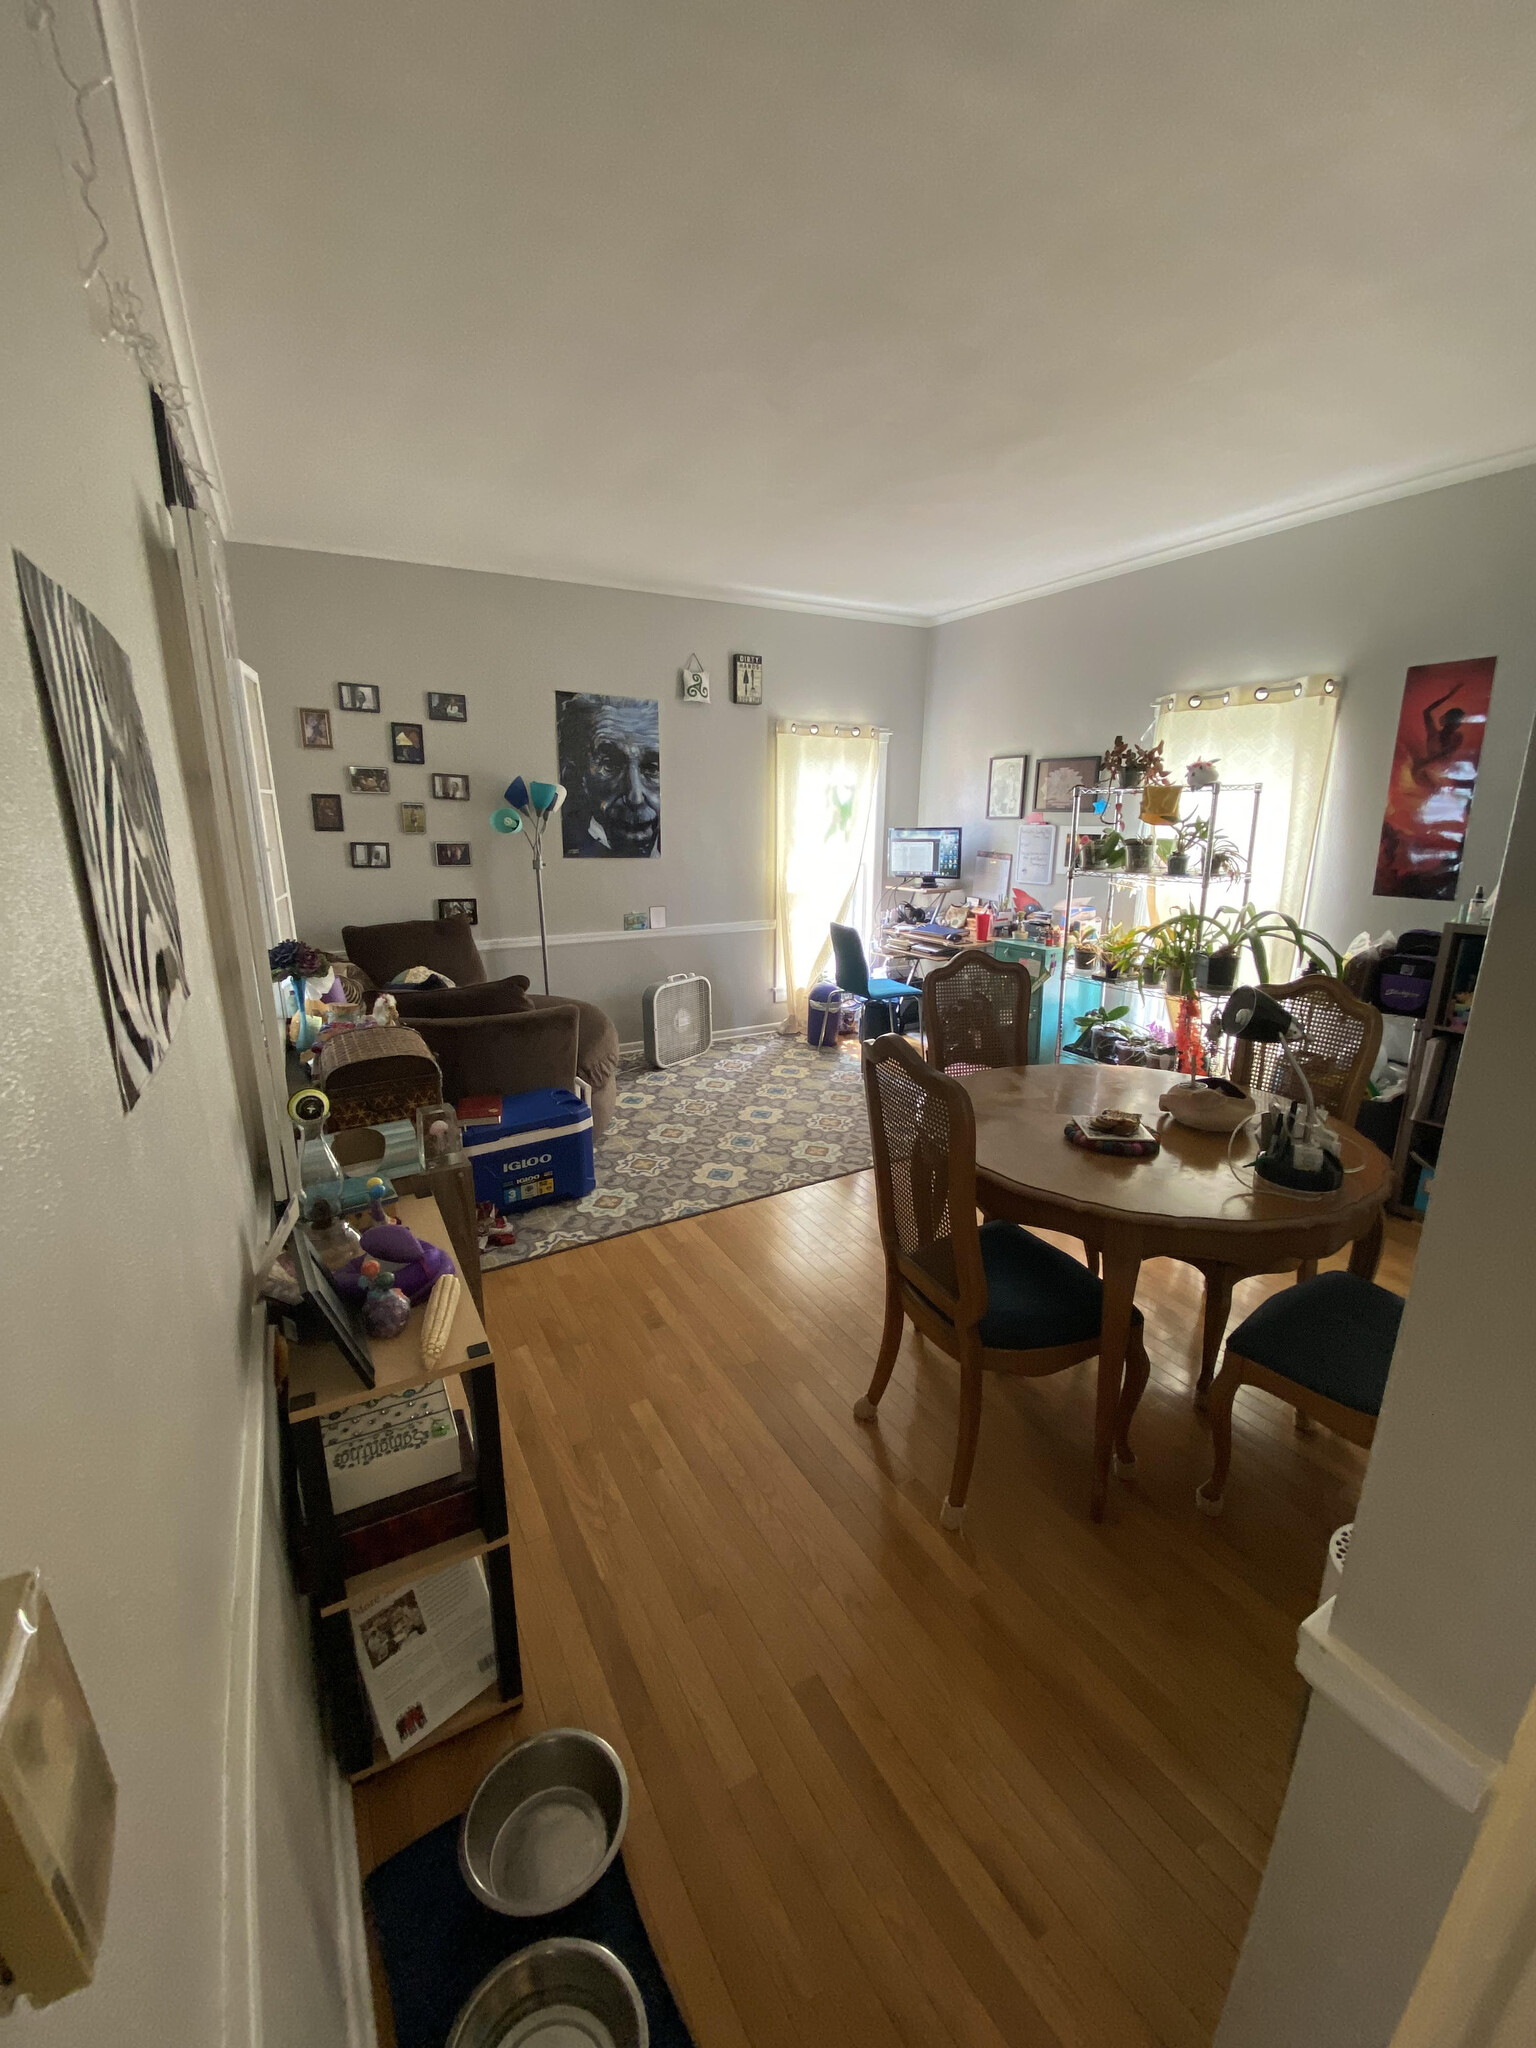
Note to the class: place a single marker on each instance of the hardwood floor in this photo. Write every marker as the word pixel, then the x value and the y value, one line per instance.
pixel 890 1785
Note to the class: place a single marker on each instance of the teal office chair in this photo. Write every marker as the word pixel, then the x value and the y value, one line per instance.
pixel 888 1005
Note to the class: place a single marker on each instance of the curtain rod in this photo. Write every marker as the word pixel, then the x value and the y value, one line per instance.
pixel 832 727
pixel 1223 694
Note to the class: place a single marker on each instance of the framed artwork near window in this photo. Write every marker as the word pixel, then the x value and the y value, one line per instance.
pixel 358 696
pixel 1005 785
pixel 1056 779
pixel 315 728
pixel 747 678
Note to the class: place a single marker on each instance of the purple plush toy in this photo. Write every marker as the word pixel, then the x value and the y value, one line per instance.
pixel 417 1265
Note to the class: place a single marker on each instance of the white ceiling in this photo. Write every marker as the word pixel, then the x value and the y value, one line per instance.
pixel 899 305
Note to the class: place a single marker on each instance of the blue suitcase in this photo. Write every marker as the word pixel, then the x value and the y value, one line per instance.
pixel 541 1151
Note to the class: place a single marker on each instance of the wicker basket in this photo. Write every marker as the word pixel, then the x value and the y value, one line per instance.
pixel 377 1076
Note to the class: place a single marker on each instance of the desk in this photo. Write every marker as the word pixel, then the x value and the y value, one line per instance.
pixel 1184 1204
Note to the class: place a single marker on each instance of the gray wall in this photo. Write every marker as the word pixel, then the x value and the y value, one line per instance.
pixel 1429 578
pixel 131 1364
pixel 307 621
pixel 1437 1593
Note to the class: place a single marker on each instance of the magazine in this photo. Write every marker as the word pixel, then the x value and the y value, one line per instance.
pixel 425 1650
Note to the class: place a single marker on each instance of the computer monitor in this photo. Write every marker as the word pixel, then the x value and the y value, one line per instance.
pixel 922 856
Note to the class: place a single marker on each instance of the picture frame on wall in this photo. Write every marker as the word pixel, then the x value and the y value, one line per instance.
pixel 325 813
pixel 451 853
pixel 357 696
pixel 413 820
pixel 315 727
pixel 369 853
pixel 449 705
pixel 368 781
pixel 451 789
pixel 1005 785
pixel 1055 780
pixel 459 906
pixel 747 679
pixel 407 746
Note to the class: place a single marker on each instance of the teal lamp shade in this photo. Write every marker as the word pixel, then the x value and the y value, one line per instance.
pixel 504 819
pixel 545 797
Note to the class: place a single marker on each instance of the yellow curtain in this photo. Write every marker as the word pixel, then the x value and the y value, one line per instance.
pixel 824 790
pixel 1274 736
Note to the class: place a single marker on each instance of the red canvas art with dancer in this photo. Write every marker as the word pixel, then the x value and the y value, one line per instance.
pixel 1434 771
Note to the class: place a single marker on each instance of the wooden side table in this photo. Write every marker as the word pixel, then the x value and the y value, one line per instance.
pixel 319 1383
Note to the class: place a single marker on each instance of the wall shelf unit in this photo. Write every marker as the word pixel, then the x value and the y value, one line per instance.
pixel 1432 1067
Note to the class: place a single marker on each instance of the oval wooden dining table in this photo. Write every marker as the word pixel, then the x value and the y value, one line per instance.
pixel 1186 1203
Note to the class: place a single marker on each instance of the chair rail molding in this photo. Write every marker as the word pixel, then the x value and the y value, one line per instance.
pixel 1428 1746
pixel 668 931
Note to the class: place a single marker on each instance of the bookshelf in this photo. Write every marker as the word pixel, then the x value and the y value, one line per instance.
pixel 319 1382
pixel 1436 1057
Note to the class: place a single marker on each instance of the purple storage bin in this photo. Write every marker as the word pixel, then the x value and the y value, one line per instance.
pixel 823 1014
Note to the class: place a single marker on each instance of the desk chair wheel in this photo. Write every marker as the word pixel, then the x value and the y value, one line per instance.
pixel 865 1410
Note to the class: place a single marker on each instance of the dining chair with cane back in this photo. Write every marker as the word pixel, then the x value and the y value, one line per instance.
pixel 1325 1347
pixel 994 1297
pixel 976 1013
pixel 1341 1036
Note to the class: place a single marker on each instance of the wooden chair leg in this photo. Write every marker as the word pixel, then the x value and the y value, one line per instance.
pixel 1307 1270
pixel 1090 1257
pixel 1138 1370
pixel 1219 1282
pixel 1208 1499
pixel 952 1514
pixel 1305 1426
pixel 890 1343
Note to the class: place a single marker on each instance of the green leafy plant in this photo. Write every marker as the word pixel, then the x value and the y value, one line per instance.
pixel 1121 953
pixel 1130 764
pixel 1253 928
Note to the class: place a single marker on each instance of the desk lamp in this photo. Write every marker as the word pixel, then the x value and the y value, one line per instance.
pixel 1295 1157
pixel 529 806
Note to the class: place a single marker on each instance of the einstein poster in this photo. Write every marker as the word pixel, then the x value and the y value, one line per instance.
pixel 610 763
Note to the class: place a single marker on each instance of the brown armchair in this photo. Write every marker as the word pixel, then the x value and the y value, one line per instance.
pixel 512 1040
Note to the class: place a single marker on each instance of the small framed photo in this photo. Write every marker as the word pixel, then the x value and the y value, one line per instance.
pixel 1056 779
pixel 451 853
pixel 315 728
pixel 413 820
pixel 368 781
pixel 1034 865
pixel 747 678
pixel 406 745
pixel 447 704
pixel 370 853
pixel 325 813
pixel 358 696
pixel 1005 785
pixel 459 906
pixel 451 789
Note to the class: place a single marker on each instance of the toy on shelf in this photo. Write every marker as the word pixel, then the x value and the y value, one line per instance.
pixel 414 1265
pixel 386 1311
pixel 334 1240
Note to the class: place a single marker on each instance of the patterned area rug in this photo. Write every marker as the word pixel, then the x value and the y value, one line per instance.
pixel 743 1120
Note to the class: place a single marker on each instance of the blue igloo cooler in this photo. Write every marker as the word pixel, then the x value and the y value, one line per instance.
pixel 541 1151
pixel 823 1014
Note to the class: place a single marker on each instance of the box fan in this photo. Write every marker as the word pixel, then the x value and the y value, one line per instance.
pixel 677 1019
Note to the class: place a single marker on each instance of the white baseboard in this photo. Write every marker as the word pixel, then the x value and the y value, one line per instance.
pixel 241 1960
pixel 736 1031
pixel 351 1933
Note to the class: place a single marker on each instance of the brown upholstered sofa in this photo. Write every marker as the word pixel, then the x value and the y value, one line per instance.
pixel 490 1037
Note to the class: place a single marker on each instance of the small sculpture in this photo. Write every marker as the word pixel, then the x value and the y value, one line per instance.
pixel 414 1265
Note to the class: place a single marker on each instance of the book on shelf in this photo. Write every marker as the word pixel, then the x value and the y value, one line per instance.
pixel 424 1651
pixel 389 1445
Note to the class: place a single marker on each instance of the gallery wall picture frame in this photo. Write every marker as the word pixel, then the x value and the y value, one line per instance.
pixel 459 906
pixel 369 853
pixel 695 681
pixel 407 745
pixel 449 705
pixel 1056 778
pixel 610 764
pixel 451 789
pixel 413 820
pixel 368 781
pixel 1434 777
pixel 747 679
pixel 325 813
pixel 1034 859
pixel 451 853
pixel 357 696
pixel 314 727
pixel 1005 785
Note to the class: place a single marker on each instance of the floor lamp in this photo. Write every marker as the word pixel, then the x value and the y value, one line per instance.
pixel 528 807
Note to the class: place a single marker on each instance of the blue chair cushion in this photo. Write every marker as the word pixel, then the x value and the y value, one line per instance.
pixel 1037 1296
pixel 889 991
pixel 1334 1334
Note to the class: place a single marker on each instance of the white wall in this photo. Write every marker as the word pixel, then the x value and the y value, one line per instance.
pixel 307 621
pixel 1437 1593
pixel 1429 578
pixel 131 1371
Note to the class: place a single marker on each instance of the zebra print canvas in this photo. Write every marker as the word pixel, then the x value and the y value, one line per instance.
pixel 86 685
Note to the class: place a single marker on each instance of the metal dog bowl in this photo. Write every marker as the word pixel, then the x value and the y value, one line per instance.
pixel 545 1823
pixel 557 1994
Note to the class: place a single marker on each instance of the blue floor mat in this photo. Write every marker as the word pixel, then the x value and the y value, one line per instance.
pixel 438 1942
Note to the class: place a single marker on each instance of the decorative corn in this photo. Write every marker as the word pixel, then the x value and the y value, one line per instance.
pixel 442 1305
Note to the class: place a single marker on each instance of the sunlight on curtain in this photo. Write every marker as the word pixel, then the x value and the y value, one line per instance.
pixel 824 795
pixel 1284 741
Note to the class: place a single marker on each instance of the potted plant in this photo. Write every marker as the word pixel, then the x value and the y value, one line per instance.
pixel 1182 845
pixel 1120 953
pixel 1255 928
pixel 1110 849
pixel 1138 856
pixel 1131 765
pixel 1201 774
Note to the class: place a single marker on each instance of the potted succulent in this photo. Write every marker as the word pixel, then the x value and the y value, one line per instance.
pixel 1201 774
pixel 1110 849
pixel 1138 856
pixel 1182 845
